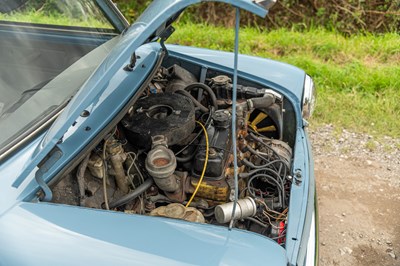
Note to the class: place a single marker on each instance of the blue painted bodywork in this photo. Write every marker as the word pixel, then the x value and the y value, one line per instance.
pixel 48 234
pixel 29 231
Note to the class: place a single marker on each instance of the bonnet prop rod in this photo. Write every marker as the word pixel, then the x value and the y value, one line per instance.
pixel 234 98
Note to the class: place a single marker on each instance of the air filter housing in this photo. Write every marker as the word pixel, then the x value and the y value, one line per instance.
pixel 168 114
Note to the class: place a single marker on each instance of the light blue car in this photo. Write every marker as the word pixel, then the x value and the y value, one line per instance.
pixel 119 149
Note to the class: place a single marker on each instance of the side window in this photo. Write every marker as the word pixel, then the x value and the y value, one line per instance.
pixel 64 13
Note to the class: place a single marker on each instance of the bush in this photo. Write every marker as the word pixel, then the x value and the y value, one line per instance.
pixel 345 16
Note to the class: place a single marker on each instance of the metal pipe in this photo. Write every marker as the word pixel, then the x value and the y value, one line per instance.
pixel 234 99
pixel 117 157
pixel 120 177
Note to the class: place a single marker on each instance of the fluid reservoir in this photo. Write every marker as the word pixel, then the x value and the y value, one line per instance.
pixel 219 135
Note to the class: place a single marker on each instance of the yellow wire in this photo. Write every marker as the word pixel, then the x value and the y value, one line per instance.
pixel 204 167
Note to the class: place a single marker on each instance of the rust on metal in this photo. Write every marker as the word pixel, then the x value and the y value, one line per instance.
pixel 161 161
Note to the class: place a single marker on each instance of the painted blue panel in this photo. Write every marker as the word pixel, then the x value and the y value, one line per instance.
pixel 10 169
pixel 301 203
pixel 49 234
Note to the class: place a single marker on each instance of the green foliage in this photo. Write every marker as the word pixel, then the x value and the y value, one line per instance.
pixel 54 19
pixel 67 13
pixel 357 77
pixel 344 16
pixel 132 9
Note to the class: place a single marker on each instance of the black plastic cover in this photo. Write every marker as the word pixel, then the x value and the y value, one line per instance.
pixel 219 134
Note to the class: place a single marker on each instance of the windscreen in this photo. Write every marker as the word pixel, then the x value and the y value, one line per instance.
pixel 39 40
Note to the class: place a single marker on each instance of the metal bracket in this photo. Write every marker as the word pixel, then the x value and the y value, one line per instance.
pixel 129 67
pixel 167 32
pixel 43 169
pixel 305 123
pixel 298 177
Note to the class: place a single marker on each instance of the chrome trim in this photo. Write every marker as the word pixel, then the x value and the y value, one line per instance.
pixel 119 13
pixel 309 97
pixel 311 244
pixel 266 4
pixel 57 29
pixel 276 94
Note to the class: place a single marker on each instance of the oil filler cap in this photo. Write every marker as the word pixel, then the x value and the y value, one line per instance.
pixel 222 119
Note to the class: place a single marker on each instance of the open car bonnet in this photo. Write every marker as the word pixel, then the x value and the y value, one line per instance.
pixel 149 27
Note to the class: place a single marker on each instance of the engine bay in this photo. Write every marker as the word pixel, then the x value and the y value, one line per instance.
pixel 172 156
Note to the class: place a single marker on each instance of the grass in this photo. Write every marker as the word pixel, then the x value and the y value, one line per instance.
pixel 358 77
pixel 54 19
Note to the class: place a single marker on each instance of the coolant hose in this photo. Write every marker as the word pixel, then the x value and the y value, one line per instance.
pixel 206 88
pixel 263 102
pixel 197 103
pixel 134 194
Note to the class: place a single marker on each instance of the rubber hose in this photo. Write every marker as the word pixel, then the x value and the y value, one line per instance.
pixel 134 194
pixel 197 103
pixel 206 88
pixel 185 159
pixel 263 102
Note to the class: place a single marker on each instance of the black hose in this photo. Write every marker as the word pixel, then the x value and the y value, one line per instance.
pixel 267 176
pixel 197 103
pixel 280 186
pixel 185 159
pixel 203 86
pixel 263 102
pixel 133 195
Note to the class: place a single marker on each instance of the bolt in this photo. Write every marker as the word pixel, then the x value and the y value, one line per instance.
pixel 212 152
pixel 85 113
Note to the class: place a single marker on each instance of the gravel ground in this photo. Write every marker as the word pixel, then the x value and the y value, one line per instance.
pixel 358 186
